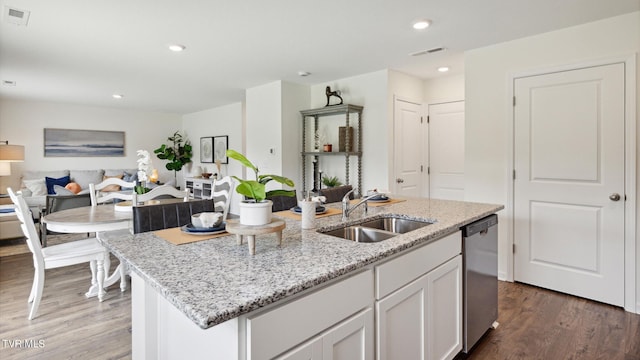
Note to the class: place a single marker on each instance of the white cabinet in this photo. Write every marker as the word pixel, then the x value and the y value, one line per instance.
pixel 321 313
pixel 350 340
pixel 422 319
pixel 199 188
pixel 444 310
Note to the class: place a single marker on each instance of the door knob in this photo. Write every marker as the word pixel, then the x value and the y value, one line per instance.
pixel 399 181
pixel 614 197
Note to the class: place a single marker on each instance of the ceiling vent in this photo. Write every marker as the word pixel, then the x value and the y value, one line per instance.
pixel 428 51
pixel 16 16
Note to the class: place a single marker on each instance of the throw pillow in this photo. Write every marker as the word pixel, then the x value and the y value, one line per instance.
pixel 59 190
pixel 113 187
pixel 128 177
pixel 37 187
pixel 73 187
pixel 63 181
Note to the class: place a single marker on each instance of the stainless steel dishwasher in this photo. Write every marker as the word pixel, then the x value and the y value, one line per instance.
pixel 480 278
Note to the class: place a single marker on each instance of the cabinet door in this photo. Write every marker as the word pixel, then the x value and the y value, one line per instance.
pixel 444 310
pixel 309 351
pixel 423 320
pixel 351 340
pixel 401 323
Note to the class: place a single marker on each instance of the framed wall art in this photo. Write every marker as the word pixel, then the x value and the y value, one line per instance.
pixel 206 149
pixel 83 143
pixel 220 147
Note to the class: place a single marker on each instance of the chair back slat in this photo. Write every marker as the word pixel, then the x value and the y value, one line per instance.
pixel 160 191
pixel 98 196
pixel 221 195
pixel 27 225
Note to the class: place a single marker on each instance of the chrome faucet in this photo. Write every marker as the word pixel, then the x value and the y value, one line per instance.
pixel 346 209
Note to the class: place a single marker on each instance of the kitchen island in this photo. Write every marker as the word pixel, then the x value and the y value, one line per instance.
pixel 205 294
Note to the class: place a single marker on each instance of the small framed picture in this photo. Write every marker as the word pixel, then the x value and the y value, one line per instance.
pixel 206 149
pixel 220 147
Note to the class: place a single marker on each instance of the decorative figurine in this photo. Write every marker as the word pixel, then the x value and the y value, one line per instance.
pixel 333 93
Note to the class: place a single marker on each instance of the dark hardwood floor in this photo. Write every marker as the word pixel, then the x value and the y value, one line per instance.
pixel 541 324
pixel 534 323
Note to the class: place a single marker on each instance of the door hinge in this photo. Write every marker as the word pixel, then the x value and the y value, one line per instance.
pixel 421 168
pixel 514 101
pixel 428 119
pixel 514 174
pixel 514 248
pixel 421 119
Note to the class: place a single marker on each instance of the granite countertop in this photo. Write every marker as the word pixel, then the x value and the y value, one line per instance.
pixel 216 280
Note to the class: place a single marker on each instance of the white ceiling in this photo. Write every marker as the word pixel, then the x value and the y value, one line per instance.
pixel 84 51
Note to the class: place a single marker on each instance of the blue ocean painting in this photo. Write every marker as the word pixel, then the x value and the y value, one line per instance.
pixel 83 143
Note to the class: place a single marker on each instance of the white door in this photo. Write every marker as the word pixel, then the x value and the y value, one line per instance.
pixel 569 182
pixel 408 138
pixel 446 151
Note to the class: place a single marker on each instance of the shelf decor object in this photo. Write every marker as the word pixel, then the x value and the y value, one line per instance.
pixel 352 147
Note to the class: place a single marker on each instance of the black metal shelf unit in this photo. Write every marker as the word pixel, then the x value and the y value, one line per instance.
pixel 314 114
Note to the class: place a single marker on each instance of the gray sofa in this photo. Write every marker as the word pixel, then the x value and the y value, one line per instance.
pixel 37 200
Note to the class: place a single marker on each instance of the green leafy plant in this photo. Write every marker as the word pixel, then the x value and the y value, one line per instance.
pixel 256 189
pixel 178 153
pixel 331 181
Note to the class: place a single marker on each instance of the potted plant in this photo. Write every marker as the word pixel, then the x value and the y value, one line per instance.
pixel 331 181
pixel 178 153
pixel 256 209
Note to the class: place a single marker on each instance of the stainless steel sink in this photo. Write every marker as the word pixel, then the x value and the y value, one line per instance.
pixel 360 234
pixel 395 224
pixel 377 230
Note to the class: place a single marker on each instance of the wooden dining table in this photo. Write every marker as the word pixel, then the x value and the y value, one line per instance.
pixel 94 219
pixel 89 219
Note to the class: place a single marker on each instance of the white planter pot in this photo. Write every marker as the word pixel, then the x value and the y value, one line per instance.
pixel 252 213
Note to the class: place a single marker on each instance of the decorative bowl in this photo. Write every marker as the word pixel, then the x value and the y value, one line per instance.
pixel 206 175
pixel 206 219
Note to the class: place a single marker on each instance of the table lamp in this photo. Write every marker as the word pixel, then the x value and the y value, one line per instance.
pixel 9 154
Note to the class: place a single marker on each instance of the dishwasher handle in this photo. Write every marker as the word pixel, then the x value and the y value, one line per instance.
pixel 480 226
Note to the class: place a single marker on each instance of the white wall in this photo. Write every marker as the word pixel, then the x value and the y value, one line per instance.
pixel 223 120
pixel 444 89
pixel 371 91
pixel 488 103
pixel 273 129
pixel 263 132
pixel 295 97
pixel 23 123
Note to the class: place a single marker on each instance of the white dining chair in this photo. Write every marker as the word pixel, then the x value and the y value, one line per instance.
pixel 163 190
pixel 54 256
pixel 221 195
pixel 99 196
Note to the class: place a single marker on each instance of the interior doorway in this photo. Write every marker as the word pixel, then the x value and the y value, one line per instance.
pixel 569 181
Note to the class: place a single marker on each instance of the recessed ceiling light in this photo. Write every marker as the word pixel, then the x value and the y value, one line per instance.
pixel 117 96
pixel 304 73
pixel 443 69
pixel 421 24
pixel 176 47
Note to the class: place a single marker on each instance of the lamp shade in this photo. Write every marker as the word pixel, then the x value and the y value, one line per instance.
pixel 11 153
